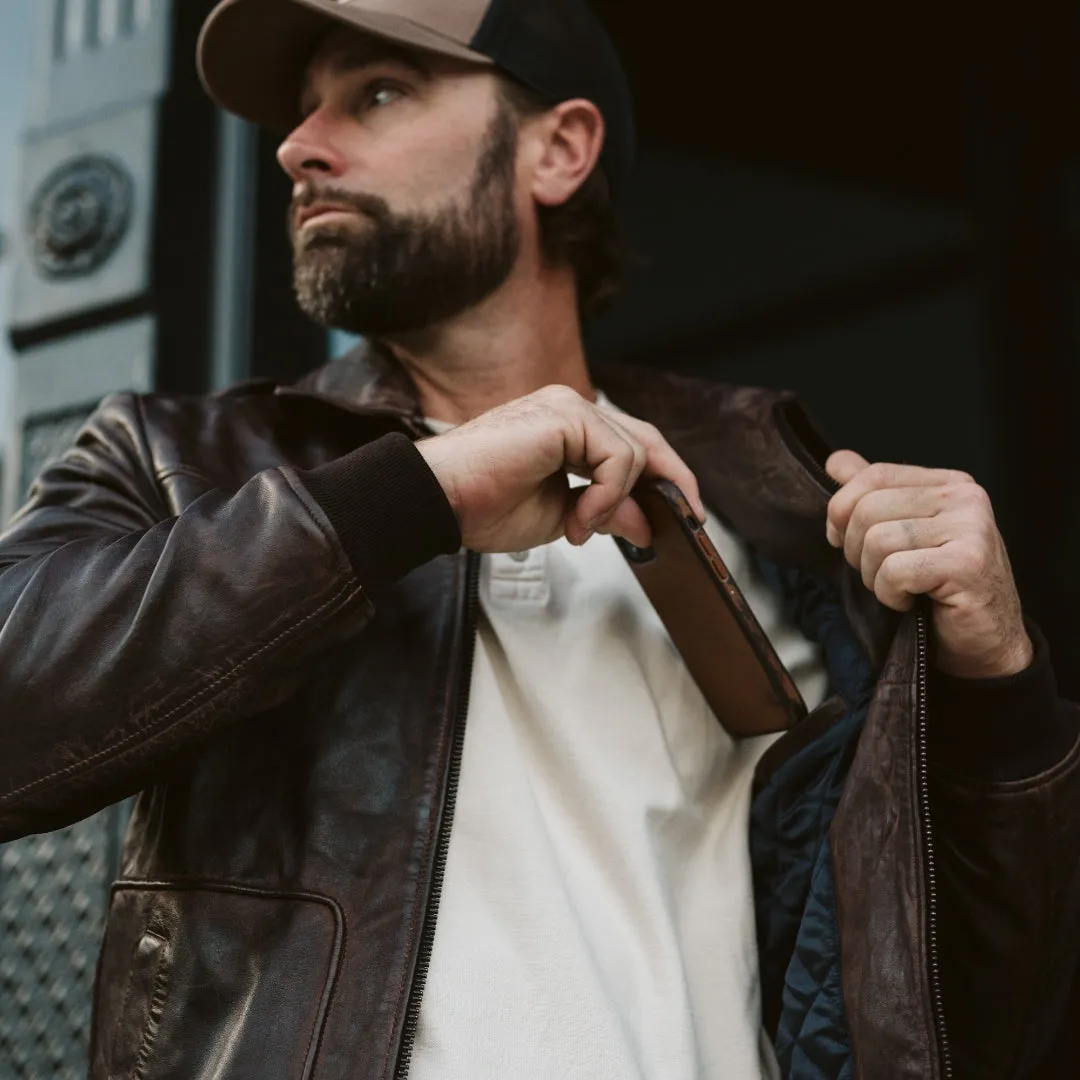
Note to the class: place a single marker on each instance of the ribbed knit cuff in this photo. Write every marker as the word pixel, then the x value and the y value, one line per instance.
pixel 387 508
pixel 1001 729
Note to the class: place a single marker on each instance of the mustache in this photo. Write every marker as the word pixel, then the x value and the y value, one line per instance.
pixel 371 206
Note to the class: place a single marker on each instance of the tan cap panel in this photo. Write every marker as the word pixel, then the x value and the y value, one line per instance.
pixel 456 19
pixel 252 54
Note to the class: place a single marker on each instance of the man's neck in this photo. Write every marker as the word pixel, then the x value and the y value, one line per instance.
pixel 524 336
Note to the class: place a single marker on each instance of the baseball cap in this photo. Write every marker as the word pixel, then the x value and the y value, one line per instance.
pixel 253 54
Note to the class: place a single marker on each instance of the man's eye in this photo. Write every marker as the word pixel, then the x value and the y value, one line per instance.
pixel 382 94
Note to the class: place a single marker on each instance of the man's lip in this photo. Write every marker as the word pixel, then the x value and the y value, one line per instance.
pixel 310 212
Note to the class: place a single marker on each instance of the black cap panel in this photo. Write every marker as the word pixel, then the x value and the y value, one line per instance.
pixel 560 49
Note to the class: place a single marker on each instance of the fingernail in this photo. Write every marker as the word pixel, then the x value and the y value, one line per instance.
pixel 832 535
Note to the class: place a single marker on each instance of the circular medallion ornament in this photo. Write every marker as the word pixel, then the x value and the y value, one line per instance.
pixel 79 216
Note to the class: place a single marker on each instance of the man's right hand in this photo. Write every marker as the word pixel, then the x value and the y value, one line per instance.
pixel 506 472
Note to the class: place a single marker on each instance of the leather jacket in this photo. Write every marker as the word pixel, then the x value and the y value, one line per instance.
pixel 180 618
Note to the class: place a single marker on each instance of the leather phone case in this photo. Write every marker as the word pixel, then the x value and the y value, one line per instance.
pixel 708 619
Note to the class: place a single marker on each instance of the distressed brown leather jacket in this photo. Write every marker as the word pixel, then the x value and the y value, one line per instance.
pixel 180 618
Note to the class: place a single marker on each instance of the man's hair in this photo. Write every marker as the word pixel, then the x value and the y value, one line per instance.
pixel 584 232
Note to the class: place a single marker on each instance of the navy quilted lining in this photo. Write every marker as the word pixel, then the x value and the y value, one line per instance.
pixel 802 999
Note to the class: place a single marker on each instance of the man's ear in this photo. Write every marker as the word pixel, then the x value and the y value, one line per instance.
pixel 572 137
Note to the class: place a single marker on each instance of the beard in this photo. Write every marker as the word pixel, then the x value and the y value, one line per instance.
pixel 398 273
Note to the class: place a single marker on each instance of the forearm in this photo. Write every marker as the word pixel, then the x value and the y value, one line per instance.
pixel 120 650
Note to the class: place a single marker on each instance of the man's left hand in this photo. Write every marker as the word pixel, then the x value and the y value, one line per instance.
pixel 912 531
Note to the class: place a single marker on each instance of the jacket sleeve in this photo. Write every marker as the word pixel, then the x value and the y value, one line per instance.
pixel 130 635
pixel 1005 802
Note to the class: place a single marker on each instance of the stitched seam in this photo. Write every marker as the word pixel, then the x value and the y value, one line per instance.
pixel 153 1020
pixel 122 1011
pixel 337 961
pixel 155 725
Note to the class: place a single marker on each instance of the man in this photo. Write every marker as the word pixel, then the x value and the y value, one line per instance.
pixel 413 810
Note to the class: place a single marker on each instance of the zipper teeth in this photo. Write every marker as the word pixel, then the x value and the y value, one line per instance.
pixel 819 472
pixel 442 848
pixel 826 480
pixel 936 1002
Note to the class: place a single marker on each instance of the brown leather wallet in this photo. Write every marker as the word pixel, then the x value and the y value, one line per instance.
pixel 709 621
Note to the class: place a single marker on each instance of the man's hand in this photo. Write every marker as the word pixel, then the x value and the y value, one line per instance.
pixel 913 531
pixel 505 473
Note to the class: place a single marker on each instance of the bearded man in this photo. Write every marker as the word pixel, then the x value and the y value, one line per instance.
pixel 424 788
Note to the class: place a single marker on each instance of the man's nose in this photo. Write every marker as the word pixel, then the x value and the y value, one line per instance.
pixel 310 151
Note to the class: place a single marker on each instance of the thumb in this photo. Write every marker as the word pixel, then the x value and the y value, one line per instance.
pixel 629 522
pixel 845 465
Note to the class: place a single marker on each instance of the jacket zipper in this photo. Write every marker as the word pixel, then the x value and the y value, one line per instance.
pixel 797 446
pixel 427 937
pixel 442 847
pixel 936 1005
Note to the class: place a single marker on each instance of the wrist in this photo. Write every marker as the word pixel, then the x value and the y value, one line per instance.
pixel 387 509
pixel 1011 659
pixel 1000 729
pixel 432 451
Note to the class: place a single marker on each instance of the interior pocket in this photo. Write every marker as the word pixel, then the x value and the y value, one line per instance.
pixel 212 981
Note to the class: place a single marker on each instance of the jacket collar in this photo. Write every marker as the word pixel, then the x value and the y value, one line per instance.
pixel 367 380
pixel 754 452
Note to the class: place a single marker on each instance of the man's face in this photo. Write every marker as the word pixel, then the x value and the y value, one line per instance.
pixel 404 211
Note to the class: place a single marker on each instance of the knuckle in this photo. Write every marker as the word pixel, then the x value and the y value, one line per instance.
pixel 975 559
pixel 991 538
pixel 909 534
pixel 627 451
pixel 884 588
pixel 880 474
pixel 857 517
pixel 895 571
pixel 861 518
pixel 559 394
pixel 839 507
pixel 979 497
pixel 879 539
pixel 968 495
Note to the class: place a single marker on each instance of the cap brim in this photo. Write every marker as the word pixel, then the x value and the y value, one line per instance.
pixel 253 54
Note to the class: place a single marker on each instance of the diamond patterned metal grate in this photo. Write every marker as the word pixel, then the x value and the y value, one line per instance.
pixel 53 895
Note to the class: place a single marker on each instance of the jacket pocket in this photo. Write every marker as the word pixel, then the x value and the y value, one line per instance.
pixel 205 980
